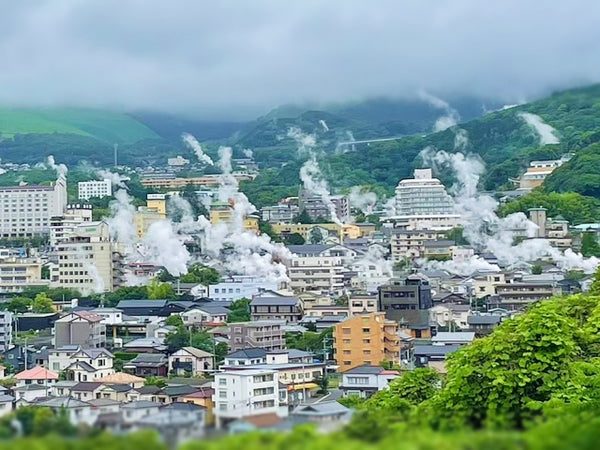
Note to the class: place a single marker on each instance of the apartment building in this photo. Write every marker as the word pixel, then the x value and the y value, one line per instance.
pixel 94 189
pixel 366 339
pixel 318 267
pixel 244 393
pixel 25 211
pixel 280 213
pixel 328 230
pixel 82 328
pixel 61 227
pixel 171 182
pixel 276 308
pixel 6 330
pixel 361 304
pixel 18 273
pixel 240 286
pixel 517 295
pixel 411 243
pixel 267 334
pixel 407 301
pixel 223 212
pixel 85 259
pixel 317 209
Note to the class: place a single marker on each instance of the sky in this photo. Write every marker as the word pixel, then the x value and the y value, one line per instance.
pixel 236 59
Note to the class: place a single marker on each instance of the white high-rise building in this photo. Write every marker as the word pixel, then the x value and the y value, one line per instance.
pixel 25 211
pixel 95 188
pixel 423 203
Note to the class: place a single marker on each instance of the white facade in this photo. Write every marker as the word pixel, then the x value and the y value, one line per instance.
pixel 25 211
pixel 85 260
pixel 94 189
pixel 422 194
pixel 240 287
pixel 243 393
pixel 6 328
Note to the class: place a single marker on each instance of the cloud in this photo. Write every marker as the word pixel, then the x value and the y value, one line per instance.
pixel 241 58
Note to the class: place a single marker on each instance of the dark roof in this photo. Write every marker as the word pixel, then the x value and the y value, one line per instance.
pixel 141 304
pixel 119 387
pixel 321 409
pixel 308 248
pixel 86 386
pixel 483 320
pixel 6 398
pixel 183 406
pixel 179 390
pixel 145 390
pixel 139 404
pixel 249 353
pixel 268 301
pixel 149 359
pixel 85 366
pixel 365 370
pixel 434 350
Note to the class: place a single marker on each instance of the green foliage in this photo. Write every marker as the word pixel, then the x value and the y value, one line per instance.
pixel 42 304
pixel 589 244
pixel 125 293
pixel 199 273
pixel 174 320
pixel 18 305
pixel 581 174
pixel 536 269
pixel 294 239
pixel 316 236
pixel 309 341
pixel 267 228
pixel 155 381
pixel 574 207
pixel 239 311
pixel 158 290
pixel 303 217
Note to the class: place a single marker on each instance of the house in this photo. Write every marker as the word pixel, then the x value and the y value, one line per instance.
pixel 276 308
pixel 116 392
pixel 267 334
pixel 137 410
pixel 364 381
pixel 433 356
pixel 142 308
pixel 6 404
pixel 328 416
pixel 16 357
pixel 90 364
pixel 450 315
pixel 146 345
pixel 36 375
pixel 203 398
pixel 205 315
pixel 453 338
pixel 175 423
pixel 87 390
pixel 62 388
pixel 148 364
pixel 144 393
pixel 123 378
pixel 79 412
pixel 190 360
pixel 483 324
pixel 258 422
pixel 25 394
pixel 243 393
pixel 82 328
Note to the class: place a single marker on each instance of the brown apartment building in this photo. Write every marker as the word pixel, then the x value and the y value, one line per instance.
pixel 366 339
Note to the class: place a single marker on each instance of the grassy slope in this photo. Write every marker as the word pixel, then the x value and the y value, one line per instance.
pixel 106 126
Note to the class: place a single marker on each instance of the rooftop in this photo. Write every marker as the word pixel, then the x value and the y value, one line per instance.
pixel 121 378
pixel 37 373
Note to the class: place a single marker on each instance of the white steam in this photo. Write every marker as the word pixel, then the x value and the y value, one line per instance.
pixel 324 125
pixel 450 117
pixel 164 247
pixel 362 199
pixel 192 143
pixel 60 169
pixel 248 153
pixel 545 132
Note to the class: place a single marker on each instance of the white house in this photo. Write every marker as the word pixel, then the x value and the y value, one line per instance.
pixel 191 360
pixel 206 314
pixel 6 404
pixel 81 364
pixel 364 381
pixel 240 286
pixel 243 393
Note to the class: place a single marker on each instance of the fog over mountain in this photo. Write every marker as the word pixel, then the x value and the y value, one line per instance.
pixel 235 59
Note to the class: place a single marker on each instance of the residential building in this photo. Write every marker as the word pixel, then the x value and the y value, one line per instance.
pixel 317 209
pixel 364 381
pixel 411 243
pixel 460 338
pixel 173 183
pixel 36 375
pixel 483 324
pixel 438 250
pixel 240 286
pixel 483 284
pixel 143 219
pixel 276 308
pixel 6 404
pixel 267 334
pixel 205 315
pixel 85 260
pixel 223 212
pixel 407 301
pixel 318 267
pixel 25 211
pixel 63 226
pixel 361 304
pixel 6 330
pixel 327 416
pixel 367 339
pixel 328 230
pixel 178 161
pixel 148 364
pixel 94 189
pixel 517 295
pixel 81 364
pixel 432 356
pixel 190 360
pixel 80 328
pixel 450 315
pixel 280 213
pixel 242 393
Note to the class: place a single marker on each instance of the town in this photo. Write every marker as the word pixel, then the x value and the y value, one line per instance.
pixel 110 336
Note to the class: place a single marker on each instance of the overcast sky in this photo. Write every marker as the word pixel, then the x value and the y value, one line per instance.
pixel 240 58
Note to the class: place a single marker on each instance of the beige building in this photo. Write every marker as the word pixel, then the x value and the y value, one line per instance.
pixel 484 284
pixel 18 273
pixel 267 334
pixel 366 339
pixel 316 268
pixel 85 260
pixel 361 304
pixel 411 243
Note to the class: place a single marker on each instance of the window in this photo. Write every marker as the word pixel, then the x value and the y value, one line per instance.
pixel 366 330
pixel 222 394
pixel 366 341
pixel 346 341
pixel 346 330
pixel 222 382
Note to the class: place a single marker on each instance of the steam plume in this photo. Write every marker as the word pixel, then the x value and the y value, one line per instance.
pixel 192 143
pixel 362 199
pixel 451 116
pixel 60 169
pixel 545 132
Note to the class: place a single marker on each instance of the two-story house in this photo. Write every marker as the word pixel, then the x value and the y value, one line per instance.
pixel 366 380
pixel 190 360
pixel 276 308
pixel 82 328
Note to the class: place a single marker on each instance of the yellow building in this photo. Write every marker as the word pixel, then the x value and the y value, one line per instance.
pixel 179 183
pixel 223 212
pixel 144 217
pixel 349 230
pixel 157 202
pixel 365 339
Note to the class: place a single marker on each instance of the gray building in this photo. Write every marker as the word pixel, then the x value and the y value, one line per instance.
pixel 317 209
pixel 267 334
pixel 82 328
pixel 276 308
pixel 6 327
pixel 406 301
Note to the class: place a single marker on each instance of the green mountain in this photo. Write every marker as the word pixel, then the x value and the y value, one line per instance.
pixel 503 140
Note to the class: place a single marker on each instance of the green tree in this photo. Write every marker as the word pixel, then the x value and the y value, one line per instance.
pixel 315 236
pixel 239 311
pixel 174 320
pixel 158 290
pixel 303 217
pixel 589 244
pixel 199 273
pixel 155 381
pixel 536 269
pixel 42 304
pixel 294 239
pixel 18 305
